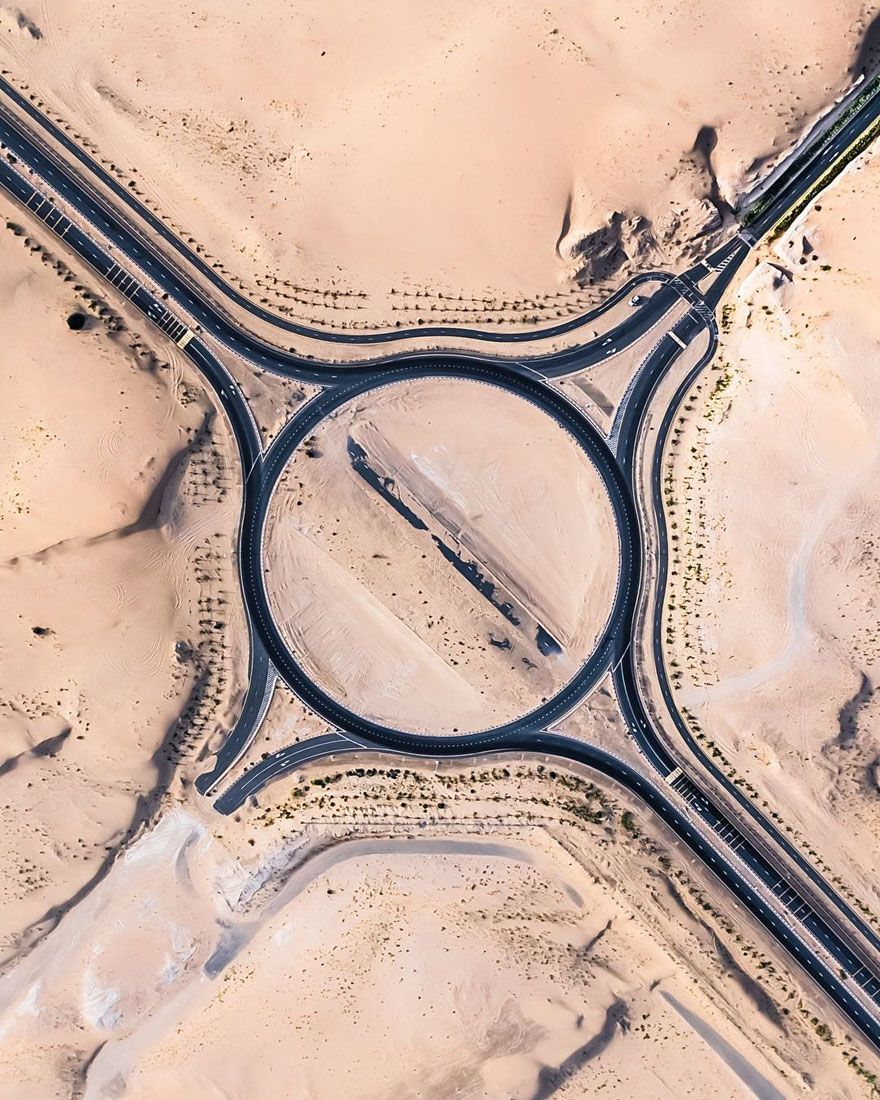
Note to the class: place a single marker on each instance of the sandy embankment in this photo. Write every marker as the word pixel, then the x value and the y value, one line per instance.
pixel 575 956
pixel 459 164
pixel 116 494
pixel 365 595
pixel 776 634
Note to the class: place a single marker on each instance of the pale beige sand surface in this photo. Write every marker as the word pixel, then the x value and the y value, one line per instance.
pixel 452 162
pixel 372 607
pixel 114 498
pixel 775 626
pixel 448 958
pixel 554 945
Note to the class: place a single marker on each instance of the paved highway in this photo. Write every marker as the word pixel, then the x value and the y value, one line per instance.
pixel 809 166
pixel 275 655
pixel 528 733
pixel 824 949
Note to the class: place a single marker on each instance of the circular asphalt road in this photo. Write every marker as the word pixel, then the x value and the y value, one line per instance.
pixel 518 382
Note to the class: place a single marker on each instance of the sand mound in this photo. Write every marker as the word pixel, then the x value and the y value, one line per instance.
pixel 386 164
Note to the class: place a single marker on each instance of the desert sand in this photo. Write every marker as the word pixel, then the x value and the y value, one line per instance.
pixel 452 163
pixel 502 931
pixel 552 945
pixel 117 506
pixel 776 634
pixel 364 594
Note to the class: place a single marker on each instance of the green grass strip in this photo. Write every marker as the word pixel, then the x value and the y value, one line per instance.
pixel 826 178
pixel 760 205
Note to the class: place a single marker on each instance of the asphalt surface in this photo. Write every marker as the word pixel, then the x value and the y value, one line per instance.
pixel 527 734
pixel 732 856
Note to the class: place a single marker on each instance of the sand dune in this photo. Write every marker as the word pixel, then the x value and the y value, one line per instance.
pixel 456 163
pixel 108 529
pixel 510 932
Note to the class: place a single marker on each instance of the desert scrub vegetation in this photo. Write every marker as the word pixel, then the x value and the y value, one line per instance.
pixel 588 820
pixel 691 530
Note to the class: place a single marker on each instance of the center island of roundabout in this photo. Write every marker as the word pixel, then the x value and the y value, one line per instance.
pixel 419 571
pixel 442 554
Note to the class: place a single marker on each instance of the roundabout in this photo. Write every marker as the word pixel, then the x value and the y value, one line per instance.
pixel 440 555
pixel 536 581
pixel 673 776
